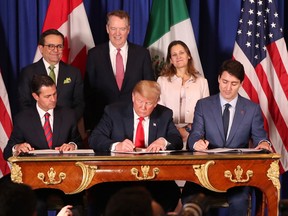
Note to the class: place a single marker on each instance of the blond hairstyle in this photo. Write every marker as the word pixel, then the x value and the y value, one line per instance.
pixel 148 89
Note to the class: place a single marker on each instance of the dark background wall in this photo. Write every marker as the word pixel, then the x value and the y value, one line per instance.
pixel 214 23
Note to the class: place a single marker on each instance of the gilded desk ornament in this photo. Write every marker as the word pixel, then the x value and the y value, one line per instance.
pixel 16 173
pixel 88 173
pixel 238 175
pixel 273 174
pixel 201 171
pixel 145 171
pixel 51 177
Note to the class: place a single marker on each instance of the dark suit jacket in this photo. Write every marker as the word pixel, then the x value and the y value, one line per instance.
pixel 247 124
pixel 100 84
pixel 28 128
pixel 117 124
pixel 70 94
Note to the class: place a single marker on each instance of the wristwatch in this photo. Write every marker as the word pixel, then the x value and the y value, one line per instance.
pixel 188 129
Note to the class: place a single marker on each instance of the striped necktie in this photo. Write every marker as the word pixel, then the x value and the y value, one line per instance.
pixel 48 130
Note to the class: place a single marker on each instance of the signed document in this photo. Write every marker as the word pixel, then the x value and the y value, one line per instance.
pixel 142 151
pixel 231 150
pixel 53 151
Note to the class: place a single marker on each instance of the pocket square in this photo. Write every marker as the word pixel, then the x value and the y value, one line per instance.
pixel 67 80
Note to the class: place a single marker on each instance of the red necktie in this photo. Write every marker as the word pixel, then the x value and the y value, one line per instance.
pixel 48 130
pixel 139 140
pixel 119 69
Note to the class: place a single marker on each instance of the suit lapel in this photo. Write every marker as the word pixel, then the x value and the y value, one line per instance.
pixel 38 129
pixel 110 73
pixel 217 113
pixel 57 123
pixel 129 122
pixel 153 125
pixel 41 67
pixel 62 75
pixel 240 112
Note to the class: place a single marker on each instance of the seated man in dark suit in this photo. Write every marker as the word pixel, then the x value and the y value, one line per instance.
pixel 44 126
pixel 116 131
pixel 227 120
pixel 28 132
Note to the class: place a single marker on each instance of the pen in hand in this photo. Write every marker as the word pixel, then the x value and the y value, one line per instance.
pixel 204 140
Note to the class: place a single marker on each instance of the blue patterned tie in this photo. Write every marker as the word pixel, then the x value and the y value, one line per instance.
pixel 226 117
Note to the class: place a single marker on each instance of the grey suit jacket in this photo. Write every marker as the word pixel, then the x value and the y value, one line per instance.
pixel 100 84
pixel 27 128
pixel 117 124
pixel 69 86
pixel 247 124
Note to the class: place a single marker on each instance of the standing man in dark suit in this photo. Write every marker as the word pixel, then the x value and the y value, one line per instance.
pixel 67 78
pixel 28 132
pixel 116 131
pixel 244 123
pixel 102 84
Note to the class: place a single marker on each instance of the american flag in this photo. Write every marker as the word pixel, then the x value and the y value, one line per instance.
pixel 5 126
pixel 261 48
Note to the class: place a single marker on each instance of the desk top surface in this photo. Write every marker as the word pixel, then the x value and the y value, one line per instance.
pixel 177 155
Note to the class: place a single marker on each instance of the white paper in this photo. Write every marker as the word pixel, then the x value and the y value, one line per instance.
pixel 222 150
pixel 53 151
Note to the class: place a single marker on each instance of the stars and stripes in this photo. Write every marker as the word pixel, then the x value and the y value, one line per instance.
pixel 5 126
pixel 261 48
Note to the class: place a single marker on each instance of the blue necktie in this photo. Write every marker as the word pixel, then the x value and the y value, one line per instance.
pixel 225 117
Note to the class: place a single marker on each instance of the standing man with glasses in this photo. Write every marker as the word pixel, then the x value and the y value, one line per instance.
pixel 114 68
pixel 68 79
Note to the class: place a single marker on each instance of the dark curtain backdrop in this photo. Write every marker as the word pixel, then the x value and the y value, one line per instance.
pixel 214 23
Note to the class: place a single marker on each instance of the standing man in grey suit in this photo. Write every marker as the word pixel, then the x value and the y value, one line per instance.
pixel 67 78
pixel 117 131
pixel 102 84
pixel 244 123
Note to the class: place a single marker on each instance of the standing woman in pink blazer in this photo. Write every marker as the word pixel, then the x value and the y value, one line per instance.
pixel 181 86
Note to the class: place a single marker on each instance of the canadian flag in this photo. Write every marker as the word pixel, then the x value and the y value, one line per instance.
pixel 5 126
pixel 70 18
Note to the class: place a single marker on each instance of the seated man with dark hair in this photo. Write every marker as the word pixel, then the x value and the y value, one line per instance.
pixel 44 126
pixel 227 120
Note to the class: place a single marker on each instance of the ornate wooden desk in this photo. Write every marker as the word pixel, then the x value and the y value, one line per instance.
pixel 217 172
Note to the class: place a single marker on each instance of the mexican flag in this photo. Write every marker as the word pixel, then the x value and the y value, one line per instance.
pixel 169 20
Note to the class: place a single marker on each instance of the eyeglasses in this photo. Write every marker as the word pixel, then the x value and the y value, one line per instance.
pixel 53 46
